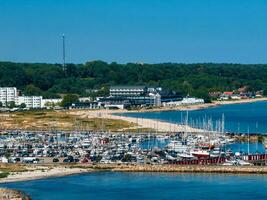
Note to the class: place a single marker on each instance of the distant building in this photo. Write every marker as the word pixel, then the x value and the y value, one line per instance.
pixel 157 100
pixel 29 101
pixel 85 105
pixel 128 91
pixel 51 102
pixel 236 97
pixel 228 93
pixel 8 94
pixel 126 96
pixel 192 100
pixel 85 99
pixel 184 101
pixel 114 102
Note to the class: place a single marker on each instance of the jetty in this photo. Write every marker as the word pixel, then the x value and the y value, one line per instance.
pixel 192 169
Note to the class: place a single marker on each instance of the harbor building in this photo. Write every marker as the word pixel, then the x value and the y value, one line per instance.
pixel 7 95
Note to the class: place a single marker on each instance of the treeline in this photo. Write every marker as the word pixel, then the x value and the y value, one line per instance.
pixel 198 80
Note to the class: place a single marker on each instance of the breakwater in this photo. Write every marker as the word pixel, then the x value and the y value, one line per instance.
pixel 192 169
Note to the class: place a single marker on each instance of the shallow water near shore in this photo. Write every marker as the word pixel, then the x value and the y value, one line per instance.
pixel 149 186
pixel 242 118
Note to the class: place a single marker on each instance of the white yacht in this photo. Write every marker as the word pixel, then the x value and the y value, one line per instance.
pixel 177 146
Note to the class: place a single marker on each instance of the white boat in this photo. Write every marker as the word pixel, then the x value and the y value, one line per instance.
pixel 200 153
pixel 177 146
pixel 243 163
pixel 230 163
pixel 185 155
pixel 169 157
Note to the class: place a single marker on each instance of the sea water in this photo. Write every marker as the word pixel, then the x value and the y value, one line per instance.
pixel 146 186
pixel 242 118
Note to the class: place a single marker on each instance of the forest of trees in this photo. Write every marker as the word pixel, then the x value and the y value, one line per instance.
pixel 83 79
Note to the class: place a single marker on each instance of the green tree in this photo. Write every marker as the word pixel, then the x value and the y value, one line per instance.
pixel 11 104
pixel 69 99
pixel 32 90
pixel 23 105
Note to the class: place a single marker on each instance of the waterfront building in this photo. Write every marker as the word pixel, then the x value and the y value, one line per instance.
pixel 86 105
pixel 157 100
pixel 127 91
pixel 7 95
pixel 184 101
pixel 191 100
pixel 126 96
pixel 114 102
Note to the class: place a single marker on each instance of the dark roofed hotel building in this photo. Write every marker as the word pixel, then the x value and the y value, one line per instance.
pixel 128 91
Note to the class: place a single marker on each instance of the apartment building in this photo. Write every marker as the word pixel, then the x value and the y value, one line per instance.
pixel 8 94
pixel 30 101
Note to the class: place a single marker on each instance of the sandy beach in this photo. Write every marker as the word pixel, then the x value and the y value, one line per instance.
pixel 155 125
pixel 42 172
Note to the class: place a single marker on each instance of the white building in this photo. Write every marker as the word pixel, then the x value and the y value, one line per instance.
pixel 8 94
pixel 192 100
pixel 127 91
pixel 157 99
pixel 30 101
pixel 51 102
pixel 185 101
pixel 85 99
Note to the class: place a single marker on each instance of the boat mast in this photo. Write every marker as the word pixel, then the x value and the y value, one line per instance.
pixel 248 140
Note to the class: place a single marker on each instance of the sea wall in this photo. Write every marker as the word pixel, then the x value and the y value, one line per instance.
pixel 193 169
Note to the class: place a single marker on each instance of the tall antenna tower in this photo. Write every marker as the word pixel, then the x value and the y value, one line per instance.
pixel 64 54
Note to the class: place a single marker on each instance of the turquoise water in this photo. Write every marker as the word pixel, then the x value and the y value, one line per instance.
pixel 242 118
pixel 146 186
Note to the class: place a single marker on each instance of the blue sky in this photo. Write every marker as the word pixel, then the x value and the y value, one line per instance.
pixel 152 31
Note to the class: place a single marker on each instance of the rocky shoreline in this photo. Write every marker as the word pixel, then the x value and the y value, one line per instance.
pixel 8 194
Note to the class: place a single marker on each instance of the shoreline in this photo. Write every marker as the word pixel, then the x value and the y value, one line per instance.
pixel 194 169
pixel 154 124
pixel 37 174
pixel 196 106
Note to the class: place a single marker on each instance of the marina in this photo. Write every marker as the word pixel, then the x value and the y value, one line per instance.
pixel 57 147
